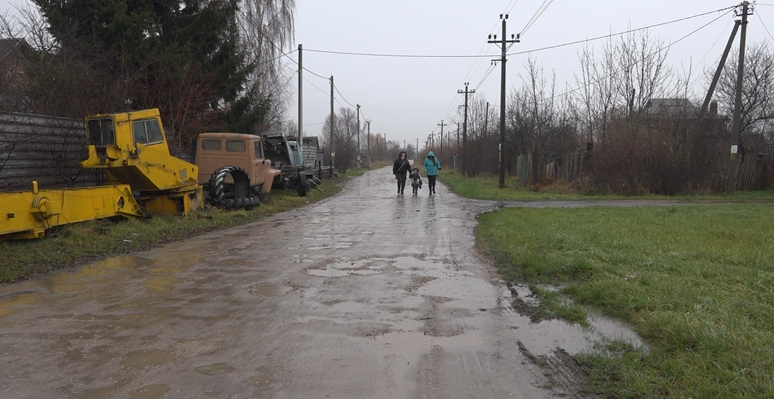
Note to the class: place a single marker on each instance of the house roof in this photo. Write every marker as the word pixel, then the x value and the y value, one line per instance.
pixel 671 107
pixel 9 45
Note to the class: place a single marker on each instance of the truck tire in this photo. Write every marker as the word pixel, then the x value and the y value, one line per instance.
pixel 303 185
pixel 228 196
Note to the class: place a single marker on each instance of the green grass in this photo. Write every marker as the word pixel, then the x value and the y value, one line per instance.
pixel 487 187
pixel 355 172
pixel 696 282
pixel 82 242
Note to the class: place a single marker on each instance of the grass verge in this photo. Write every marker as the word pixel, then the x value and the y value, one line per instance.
pixel 696 282
pixel 487 187
pixel 82 242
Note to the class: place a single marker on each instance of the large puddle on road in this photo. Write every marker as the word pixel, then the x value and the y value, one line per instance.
pixel 468 301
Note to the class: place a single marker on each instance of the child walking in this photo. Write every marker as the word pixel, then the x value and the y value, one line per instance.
pixel 416 181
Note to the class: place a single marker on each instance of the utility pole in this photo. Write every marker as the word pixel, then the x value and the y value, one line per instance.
pixel 458 136
pixel 300 97
pixel 504 45
pixel 357 154
pixel 486 119
pixel 333 147
pixel 733 165
pixel 368 123
pixel 464 161
pixel 441 125
pixel 708 98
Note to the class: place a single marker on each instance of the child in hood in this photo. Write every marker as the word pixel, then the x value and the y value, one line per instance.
pixel 416 180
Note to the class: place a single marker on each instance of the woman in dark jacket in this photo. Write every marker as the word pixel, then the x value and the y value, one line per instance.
pixel 400 169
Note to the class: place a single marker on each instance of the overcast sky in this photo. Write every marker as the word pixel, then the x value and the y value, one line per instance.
pixel 407 97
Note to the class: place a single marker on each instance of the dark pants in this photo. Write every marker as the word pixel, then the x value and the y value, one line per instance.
pixel 401 182
pixel 431 183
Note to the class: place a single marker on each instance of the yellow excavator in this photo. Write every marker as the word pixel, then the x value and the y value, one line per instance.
pixel 142 178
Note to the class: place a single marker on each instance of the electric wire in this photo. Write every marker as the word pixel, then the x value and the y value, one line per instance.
pixel 764 25
pixel 543 7
pixel 636 62
pixel 520 52
pixel 691 85
pixel 620 33
pixel 342 96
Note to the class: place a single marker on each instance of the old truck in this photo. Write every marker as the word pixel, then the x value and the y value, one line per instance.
pixel 285 154
pixel 142 178
pixel 233 165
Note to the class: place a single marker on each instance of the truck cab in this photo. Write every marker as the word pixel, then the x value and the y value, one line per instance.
pixel 215 151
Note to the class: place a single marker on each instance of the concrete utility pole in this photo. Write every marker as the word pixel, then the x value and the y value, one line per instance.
pixel 368 123
pixel 464 161
pixel 441 125
pixel 358 136
pixel 733 165
pixel 486 120
pixel 333 116
pixel 708 98
pixel 300 96
pixel 458 136
pixel 504 45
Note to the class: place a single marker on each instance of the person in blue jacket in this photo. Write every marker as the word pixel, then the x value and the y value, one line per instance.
pixel 432 166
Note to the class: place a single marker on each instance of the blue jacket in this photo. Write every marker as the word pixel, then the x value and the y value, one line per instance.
pixel 431 165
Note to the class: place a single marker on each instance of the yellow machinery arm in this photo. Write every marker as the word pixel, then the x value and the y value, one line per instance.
pixel 142 178
pixel 29 214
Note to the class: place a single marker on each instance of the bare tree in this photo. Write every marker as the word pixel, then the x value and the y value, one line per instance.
pixel 757 115
pixel 344 136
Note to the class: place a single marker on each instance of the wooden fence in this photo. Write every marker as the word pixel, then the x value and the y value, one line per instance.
pixel 45 149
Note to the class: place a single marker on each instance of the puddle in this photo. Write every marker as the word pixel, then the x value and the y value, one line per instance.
pixel 543 337
pixel 339 273
pixel 67 282
pixel 526 295
pixel 214 369
pixel 263 377
pixel 98 393
pixel 346 268
pixel 150 392
pixel 17 303
pixel 141 359
pixel 266 289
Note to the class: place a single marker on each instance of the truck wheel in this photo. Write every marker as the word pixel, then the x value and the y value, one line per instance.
pixel 303 185
pixel 232 196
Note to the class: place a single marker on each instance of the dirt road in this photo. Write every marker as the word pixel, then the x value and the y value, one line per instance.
pixel 364 295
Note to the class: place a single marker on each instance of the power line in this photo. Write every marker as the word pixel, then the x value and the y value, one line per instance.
pixel 636 62
pixel 394 55
pixel 520 52
pixel 622 32
pixel 537 15
pixel 722 33
pixel 764 25
pixel 342 96
pixel 486 75
pixel 278 47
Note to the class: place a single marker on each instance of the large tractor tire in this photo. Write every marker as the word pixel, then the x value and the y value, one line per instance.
pixel 232 196
pixel 303 185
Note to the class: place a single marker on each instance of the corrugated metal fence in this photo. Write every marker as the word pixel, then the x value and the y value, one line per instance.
pixel 42 148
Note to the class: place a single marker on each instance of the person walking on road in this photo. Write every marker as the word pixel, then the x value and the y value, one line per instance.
pixel 400 169
pixel 432 166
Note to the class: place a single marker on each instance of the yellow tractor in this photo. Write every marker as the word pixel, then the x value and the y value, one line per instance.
pixel 142 179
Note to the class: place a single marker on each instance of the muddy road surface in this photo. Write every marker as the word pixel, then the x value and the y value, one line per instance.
pixel 364 295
